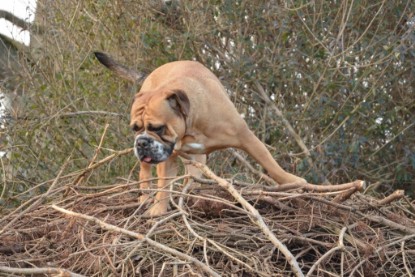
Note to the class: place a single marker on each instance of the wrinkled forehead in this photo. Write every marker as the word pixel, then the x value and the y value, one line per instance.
pixel 149 108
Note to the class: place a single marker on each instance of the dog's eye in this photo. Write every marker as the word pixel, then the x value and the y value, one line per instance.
pixel 135 128
pixel 156 129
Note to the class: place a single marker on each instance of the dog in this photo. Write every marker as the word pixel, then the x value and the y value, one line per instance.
pixel 182 109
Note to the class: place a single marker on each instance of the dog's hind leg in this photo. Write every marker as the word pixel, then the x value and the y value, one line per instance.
pixel 256 149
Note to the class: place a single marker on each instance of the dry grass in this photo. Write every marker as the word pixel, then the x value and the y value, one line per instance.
pixel 207 232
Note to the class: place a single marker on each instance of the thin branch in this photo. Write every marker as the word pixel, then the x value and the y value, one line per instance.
pixel 15 20
pixel 405 263
pixel 358 185
pixel 254 215
pixel 39 200
pixel 205 240
pixel 83 176
pixel 286 123
pixel 340 246
pixel 377 250
pixel 396 195
pixel 39 270
pixel 140 237
pixel 101 162
pixel 251 168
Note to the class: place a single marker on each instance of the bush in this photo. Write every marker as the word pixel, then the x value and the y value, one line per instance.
pixel 341 73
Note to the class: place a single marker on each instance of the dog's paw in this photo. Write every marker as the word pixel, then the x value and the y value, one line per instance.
pixel 300 180
pixel 144 199
pixel 291 179
pixel 156 210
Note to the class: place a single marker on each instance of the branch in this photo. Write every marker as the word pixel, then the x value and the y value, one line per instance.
pixel 287 124
pixel 377 250
pixel 251 168
pixel 15 20
pixel 396 195
pixel 79 180
pixel 140 237
pixel 358 185
pixel 39 270
pixel 254 215
pixel 340 246
pixel 39 200
pixel 101 162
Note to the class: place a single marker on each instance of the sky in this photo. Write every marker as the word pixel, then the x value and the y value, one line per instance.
pixel 24 9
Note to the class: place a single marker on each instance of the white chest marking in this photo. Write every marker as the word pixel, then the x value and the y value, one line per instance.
pixel 193 146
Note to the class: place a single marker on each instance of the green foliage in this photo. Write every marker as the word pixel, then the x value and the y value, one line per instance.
pixel 341 72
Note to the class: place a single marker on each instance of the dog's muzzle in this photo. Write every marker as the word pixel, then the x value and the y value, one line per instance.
pixel 149 150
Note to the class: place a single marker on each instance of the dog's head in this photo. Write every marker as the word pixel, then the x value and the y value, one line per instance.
pixel 158 119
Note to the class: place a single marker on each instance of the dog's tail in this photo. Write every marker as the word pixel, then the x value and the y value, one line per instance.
pixel 121 70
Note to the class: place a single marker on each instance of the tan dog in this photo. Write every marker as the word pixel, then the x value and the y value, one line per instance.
pixel 183 109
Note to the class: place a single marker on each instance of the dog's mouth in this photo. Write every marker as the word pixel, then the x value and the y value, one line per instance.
pixel 150 151
pixel 149 160
pixel 146 159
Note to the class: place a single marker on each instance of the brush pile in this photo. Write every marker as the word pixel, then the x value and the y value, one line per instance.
pixel 219 228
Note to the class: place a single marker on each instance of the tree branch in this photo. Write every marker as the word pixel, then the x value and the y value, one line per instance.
pixel 140 237
pixel 254 215
pixel 39 270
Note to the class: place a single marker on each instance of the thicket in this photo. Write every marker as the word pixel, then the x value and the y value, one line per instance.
pixel 328 86
pixel 341 73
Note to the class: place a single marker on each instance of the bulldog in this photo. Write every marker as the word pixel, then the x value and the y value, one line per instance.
pixel 182 109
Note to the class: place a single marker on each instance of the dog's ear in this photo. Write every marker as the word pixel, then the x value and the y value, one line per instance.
pixel 179 102
pixel 121 70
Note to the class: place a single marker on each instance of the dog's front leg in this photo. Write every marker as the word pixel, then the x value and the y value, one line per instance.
pixel 165 172
pixel 144 176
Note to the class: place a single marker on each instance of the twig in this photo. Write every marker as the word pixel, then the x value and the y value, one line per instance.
pixel 358 185
pixel 340 246
pixel 205 240
pixel 91 113
pixel 39 270
pixel 83 176
pixel 140 237
pixel 101 162
pixel 251 168
pixel 287 124
pixel 377 250
pixel 101 223
pixel 254 215
pixel 4 189
pixel 389 223
pixel 404 259
pixel 396 195
pixel 60 115
pixel 15 20
pixel 39 200
pixel 345 195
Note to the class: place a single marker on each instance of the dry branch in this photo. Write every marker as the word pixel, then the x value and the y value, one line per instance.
pixel 38 201
pixel 209 233
pixel 101 162
pixel 254 215
pixel 358 185
pixel 251 168
pixel 340 246
pixel 43 270
pixel 140 237
pixel 396 195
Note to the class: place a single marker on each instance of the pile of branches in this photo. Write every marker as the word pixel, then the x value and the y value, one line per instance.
pixel 217 228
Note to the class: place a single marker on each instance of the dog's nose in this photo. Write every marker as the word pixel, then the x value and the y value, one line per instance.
pixel 143 142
